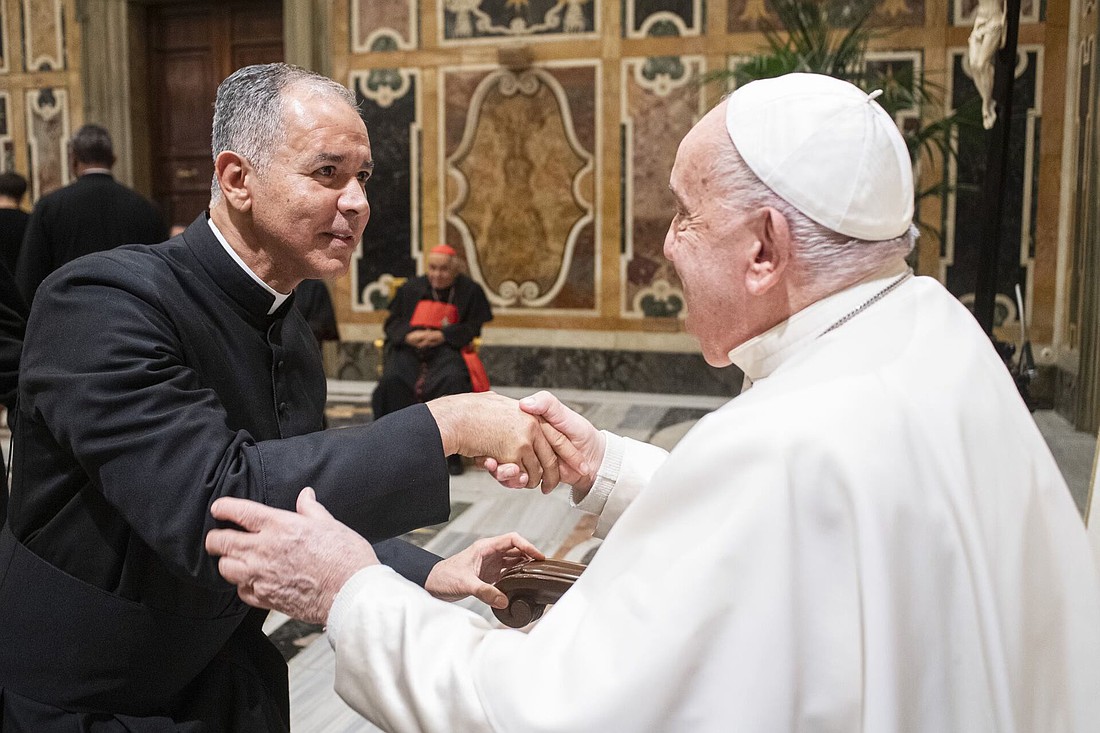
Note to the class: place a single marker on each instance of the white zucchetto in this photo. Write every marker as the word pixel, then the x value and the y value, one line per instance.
pixel 827 148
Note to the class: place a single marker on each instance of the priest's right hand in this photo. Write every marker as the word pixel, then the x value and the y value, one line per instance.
pixel 487 424
pixel 579 446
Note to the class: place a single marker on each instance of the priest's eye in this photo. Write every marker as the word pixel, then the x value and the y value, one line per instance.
pixel 363 177
pixel 327 171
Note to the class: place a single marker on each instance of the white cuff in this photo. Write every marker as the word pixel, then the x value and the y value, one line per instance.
pixel 606 476
pixel 345 597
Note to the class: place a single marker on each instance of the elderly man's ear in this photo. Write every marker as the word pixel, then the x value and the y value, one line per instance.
pixel 770 252
pixel 234 174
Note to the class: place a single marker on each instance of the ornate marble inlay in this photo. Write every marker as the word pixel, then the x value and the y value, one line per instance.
pixel 660 103
pixel 390 106
pixel 756 15
pixel 520 185
pixel 471 20
pixel 384 25
pixel 959 253
pixel 4 37
pixel 47 133
pixel 684 17
pixel 43 35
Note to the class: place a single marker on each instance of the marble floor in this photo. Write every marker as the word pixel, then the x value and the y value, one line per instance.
pixel 480 508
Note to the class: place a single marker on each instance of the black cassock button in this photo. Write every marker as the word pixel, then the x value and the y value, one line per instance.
pixel 282 407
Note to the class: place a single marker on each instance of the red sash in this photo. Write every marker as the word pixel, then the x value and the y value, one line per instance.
pixel 433 314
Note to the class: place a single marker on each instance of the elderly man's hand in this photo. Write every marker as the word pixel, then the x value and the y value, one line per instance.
pixel 286 561
pixel 578 445
pixel 488 424
pixel 472 571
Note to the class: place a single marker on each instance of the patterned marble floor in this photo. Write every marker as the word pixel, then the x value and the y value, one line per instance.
pixel 481 508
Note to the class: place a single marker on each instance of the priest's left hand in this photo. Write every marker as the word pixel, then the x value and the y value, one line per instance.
pixel 287 561
pixel 473 571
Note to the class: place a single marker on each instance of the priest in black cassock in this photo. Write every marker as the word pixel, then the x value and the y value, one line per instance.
pixel 155 380
pixel 433 319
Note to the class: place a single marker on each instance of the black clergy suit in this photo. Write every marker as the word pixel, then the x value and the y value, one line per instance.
pixel 13 321
pixel 93 213
pixel 412 375
pixel 153 382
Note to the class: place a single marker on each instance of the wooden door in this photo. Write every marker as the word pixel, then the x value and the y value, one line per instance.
pixel 192 47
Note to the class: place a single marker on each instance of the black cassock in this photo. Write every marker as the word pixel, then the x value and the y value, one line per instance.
pixel 413 375
pixel 153 381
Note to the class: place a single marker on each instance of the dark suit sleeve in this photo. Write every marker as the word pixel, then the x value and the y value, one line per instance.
pixel 12 326
pixel 146 429
pixel 407 559
pixel 35 258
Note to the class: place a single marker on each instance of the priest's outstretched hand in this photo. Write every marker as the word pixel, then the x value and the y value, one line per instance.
pixel 576 442
pixel 296 562
pixel 487 424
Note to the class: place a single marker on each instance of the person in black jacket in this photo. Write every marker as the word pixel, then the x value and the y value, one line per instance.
pixel 13 322
pixel 13 220
pixel 93 213
pixel 155 379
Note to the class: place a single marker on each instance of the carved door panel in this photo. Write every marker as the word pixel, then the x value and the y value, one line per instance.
pixel 192 47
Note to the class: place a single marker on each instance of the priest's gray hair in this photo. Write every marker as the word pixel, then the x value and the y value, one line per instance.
pixel 829 259
pixel 248 111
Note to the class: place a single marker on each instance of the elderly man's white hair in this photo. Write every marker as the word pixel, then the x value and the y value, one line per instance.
pixel 248 111
pixel 831 260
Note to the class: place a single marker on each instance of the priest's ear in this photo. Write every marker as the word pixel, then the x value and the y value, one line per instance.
pixel 235 175
pixel 770 252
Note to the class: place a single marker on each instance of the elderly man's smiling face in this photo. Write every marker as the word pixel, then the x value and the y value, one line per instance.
pixel 709 244
pixel 309 205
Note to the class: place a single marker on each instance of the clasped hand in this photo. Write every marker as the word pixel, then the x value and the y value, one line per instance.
pixel 296 562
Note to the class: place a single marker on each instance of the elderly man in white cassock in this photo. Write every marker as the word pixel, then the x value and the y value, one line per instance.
pixel 873 536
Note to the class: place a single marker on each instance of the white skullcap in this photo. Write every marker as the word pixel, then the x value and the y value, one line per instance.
pixel 828 149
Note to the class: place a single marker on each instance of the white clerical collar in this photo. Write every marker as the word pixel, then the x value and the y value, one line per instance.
pixel 89 171
pixel 280 298
pixel 759 356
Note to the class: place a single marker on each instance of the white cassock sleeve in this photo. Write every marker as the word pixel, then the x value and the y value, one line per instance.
pixel 626 469
pixel 399 685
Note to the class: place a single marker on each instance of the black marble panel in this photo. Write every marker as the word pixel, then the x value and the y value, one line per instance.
pixel 685 9
pixel 973 145
pixel 386 238
pixel 596 369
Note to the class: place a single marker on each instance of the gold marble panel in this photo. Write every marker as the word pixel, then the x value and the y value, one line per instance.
pixel 5 42
pixel 383 25
pixel 520 188
pixel 660 102
pixel 47 134
pixel 43 35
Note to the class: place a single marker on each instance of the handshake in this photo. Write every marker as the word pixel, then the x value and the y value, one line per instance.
pixel 535 442
pixel 296 562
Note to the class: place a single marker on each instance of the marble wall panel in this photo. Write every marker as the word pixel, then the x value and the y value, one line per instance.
pixel 4 45
pixel 7 143
pixel 384 25
pixel 966 174
pixel 47 134
pixel 756 15
pixel 465 21
pixel 660 103
pixel 962 11
pixel 519 158
pixel 390 107
pixel 43 35
pixel 1084 198
pixel 645 18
